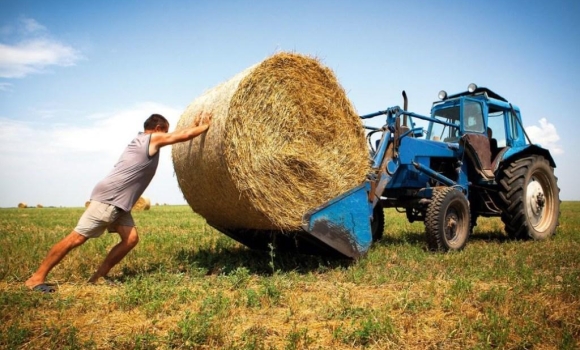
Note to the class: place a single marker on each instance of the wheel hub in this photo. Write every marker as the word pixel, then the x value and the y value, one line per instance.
pixel 451 226
pixel 535 201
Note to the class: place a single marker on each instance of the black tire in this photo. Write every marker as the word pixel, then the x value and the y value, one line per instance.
pixel 447 220
pixel 530 198
pixel 378 223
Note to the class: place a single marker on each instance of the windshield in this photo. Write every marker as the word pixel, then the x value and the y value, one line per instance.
pixel 441 132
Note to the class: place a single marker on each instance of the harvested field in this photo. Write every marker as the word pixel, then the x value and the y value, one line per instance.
pixel 187 286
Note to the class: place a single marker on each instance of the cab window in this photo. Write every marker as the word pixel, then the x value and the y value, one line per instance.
pixel 496 124
pixel 442 132
pixel 513 126
pixel 472 117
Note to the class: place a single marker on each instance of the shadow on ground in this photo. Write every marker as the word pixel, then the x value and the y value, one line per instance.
pixel 257 262
pixel 227 256
pixel 227 259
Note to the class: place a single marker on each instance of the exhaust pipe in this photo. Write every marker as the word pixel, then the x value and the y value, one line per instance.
pixel 405 105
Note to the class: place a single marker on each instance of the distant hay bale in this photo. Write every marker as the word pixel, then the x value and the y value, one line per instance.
pixel 143 203
pixel 39 206
pixel 22 205
pixel 284 138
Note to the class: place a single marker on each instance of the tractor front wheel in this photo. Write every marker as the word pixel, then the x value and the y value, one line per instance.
pixel 447 220
pixel 530 196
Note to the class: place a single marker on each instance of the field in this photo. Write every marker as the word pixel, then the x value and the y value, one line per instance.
pixel 188 286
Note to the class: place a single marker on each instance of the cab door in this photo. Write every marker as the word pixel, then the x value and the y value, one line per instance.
pixel 474 139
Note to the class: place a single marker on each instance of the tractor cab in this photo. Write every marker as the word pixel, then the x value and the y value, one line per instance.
pixel 484 123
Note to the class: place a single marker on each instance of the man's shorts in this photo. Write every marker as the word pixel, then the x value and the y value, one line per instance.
pixel 99 217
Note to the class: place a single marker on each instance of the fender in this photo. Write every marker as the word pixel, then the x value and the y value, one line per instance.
pixel 528 149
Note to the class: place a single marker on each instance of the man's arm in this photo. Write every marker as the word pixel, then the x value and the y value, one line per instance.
pixel 160 139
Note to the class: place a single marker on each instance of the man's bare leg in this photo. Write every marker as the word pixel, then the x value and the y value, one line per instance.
pixel 129 240
pixel 54 256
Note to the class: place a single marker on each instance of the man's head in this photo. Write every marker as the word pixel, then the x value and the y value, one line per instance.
pixel 156 122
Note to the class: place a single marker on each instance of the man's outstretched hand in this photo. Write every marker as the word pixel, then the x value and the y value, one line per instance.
pixel 202 118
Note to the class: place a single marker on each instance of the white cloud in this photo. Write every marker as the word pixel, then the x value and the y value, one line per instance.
pixel 546 135
pixel 109 132
pixel 34 56
pixel 60 164
pixel 30 25
pixel 34 52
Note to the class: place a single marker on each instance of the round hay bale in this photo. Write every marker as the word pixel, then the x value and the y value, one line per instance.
pixel 39 206
pixel 284 138
pixel 143 203
pixel 22 205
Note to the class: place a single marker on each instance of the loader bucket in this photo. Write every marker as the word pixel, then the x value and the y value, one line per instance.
pixel 340 227
pixel 343 223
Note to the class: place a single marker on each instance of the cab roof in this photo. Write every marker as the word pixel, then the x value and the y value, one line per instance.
pixel 478 91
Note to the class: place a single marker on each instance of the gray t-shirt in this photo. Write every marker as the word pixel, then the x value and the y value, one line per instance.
pixel 130 176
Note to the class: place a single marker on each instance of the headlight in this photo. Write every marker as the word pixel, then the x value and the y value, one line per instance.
pixel 471 87
pixel 442 95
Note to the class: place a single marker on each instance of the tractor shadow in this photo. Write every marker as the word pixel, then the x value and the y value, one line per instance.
pixel 409 238
pixel 498 236
pixel 263 263
pixel 227 259
pixel 419 238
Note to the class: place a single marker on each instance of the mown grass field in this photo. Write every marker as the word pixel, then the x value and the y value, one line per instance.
pixel 188 286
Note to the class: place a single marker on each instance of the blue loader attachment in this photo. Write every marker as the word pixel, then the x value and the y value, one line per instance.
pixel 343 223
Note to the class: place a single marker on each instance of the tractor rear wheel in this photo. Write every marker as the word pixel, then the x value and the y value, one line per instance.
pixel 530 198
pixel 378 224
pixel 447 220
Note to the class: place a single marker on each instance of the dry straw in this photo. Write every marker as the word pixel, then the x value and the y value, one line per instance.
pixel 143 203
pixel 22 205
pixel 284 138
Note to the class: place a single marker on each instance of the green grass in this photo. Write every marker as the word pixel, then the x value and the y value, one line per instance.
pixel 189 286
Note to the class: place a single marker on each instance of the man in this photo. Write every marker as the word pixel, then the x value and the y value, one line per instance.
pixel 113 198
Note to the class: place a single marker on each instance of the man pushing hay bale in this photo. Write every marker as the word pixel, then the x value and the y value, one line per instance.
pixel 284 139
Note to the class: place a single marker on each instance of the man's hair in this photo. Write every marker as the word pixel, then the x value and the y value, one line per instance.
pixel 154 120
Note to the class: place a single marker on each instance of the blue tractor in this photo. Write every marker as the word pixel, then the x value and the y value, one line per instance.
pixel 471 158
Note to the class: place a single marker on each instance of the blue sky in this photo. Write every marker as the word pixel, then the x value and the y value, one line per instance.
pixel 78 78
